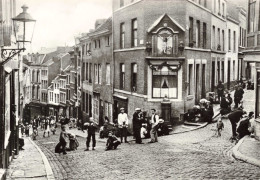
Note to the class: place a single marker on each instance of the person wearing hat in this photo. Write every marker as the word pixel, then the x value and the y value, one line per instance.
pixel 234 118
pixel 220 90
pixel 123 124
pixel 91 128
pixel 154 122
pixel 137 125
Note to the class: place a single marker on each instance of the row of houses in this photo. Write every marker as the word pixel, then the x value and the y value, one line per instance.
pixel 165 55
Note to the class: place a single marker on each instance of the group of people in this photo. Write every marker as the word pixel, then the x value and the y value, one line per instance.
pixel 48 124
pixel 140 130
pixel 200 113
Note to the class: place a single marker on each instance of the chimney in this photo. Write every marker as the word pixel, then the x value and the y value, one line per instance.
pixel 99 22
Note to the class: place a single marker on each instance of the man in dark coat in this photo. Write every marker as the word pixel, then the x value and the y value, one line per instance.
pixel 137 125
pixel 220 90
pixel 243 126
pixel 238 96
pixel 91 128
pixel 234 118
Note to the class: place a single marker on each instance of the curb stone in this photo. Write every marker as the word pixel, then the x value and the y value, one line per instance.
pixel 48 169
pixel 238 155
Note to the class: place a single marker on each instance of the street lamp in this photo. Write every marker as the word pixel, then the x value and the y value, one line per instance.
pixel 23 25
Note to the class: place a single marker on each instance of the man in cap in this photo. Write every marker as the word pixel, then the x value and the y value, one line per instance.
pixel 123 124
pixel 154 122
pixel 234 118
pixel 137 125
pixel 220 90
pixel 91 128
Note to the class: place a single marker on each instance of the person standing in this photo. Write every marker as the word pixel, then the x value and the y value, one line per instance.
pixel 234 118
pixel 220 90
pixel 137 125
pixel 238 96
pixel 123 124
pixel 154 123
pixel 47 127
pixel 91 128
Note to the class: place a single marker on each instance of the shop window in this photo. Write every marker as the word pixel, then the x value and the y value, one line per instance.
pixel 165 82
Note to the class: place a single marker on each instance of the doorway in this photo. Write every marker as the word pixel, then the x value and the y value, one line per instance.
pixel 203 88
pixel 228 76
pixel 213 76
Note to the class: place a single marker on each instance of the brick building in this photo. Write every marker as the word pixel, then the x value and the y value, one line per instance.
pixel 162 55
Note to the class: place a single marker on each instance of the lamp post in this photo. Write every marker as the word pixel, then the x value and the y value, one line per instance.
pixel 23 26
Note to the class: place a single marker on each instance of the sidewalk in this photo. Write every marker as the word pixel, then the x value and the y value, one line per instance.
pixel 247 149
pixel 31 163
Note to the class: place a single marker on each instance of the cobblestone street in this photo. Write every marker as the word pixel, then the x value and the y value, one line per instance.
pixel 192 155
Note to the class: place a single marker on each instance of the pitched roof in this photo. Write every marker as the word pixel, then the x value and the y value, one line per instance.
pixel 159 20
pixel 103 28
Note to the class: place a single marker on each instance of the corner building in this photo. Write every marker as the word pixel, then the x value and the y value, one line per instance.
pixel 162 55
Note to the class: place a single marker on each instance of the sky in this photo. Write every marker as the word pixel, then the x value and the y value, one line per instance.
pixel 59 21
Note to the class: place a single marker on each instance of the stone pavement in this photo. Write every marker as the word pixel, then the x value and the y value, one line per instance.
pixel 31 163
pixel 247 149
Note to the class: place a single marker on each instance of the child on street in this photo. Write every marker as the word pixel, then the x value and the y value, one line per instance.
pixel 91 128
pixel 112 142
pixel 220 127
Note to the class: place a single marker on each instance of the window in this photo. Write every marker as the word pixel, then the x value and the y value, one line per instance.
pixel 191 30
pixel 190 80
pixel 99 44
pixel 90 72
pixel 223 40
pixel 164 82
pixel 234 70
pixel 122 3
pixel 218 46
pixel 251 18
pixel 83 71
pixel 223 70
pixel 96 73
pixel 229 40
pixel 134 33
pixel 219 7
pixel 107 73
pixel 96 107
pixel 204 36
pixel 108 40
pixel 213 38
pixel 95 44
pixel 134 77
pixel 223 9
pixel 83 49
pixel 86 74
pixel 99 74
pixel 122 35
pixel 198 34
pixel 234 42
pixel 122 76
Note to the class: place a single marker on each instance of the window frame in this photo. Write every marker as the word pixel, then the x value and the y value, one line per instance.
pixel 134 30
pixel 122 35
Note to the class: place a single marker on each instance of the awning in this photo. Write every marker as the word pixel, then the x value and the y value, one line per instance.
pixel 120 97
